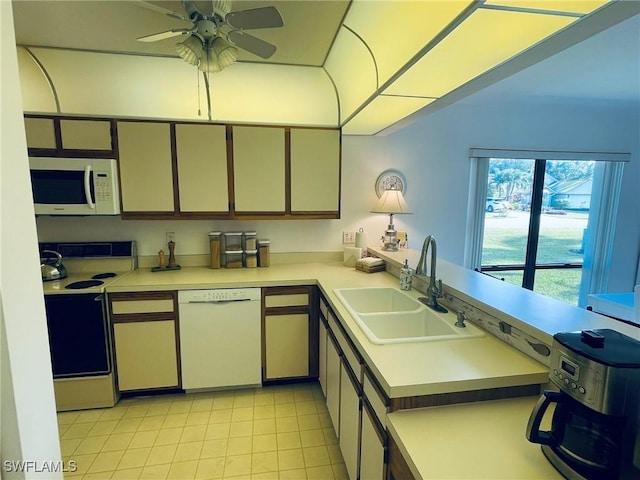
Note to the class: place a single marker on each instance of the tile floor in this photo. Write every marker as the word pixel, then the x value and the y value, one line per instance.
pixel 276 432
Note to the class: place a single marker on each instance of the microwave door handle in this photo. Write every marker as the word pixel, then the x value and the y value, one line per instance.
pixel 87 186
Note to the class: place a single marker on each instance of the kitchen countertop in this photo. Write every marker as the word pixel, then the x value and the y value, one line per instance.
pixel 533 313
pixel 481 440
pixel 475 440
pixel 403 370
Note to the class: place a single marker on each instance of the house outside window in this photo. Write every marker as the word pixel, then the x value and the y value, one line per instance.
pixel 553 232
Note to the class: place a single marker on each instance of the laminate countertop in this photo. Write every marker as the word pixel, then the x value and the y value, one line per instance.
pixel 403 370
pixel 481 440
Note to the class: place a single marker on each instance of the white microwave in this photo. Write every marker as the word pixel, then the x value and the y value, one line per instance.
pixel 74 186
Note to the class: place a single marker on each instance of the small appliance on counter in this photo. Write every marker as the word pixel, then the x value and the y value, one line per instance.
pixel 52 268
pixel 595 429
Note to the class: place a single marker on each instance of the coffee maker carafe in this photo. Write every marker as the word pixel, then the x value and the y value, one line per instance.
pixel 595 389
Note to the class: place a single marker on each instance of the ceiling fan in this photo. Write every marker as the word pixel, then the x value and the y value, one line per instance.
pixel 213 37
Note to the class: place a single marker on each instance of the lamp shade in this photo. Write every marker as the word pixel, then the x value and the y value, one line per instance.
pixel 190 50
pixel 209 61
pixel 227 54
pixel 391 201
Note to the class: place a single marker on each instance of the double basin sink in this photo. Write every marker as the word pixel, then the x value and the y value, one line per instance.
pixel 388 315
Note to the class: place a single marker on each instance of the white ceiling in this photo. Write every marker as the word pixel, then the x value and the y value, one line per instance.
pixel 113 26
pixel 602 68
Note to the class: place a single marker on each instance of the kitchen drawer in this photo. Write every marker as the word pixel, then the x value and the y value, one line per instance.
pixel 141 306
pixel 324 308
pixel 143 302
pixel 351 356
pixel 376 397
pixel 292 300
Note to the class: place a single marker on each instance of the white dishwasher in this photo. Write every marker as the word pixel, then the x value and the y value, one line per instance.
pixel 220 342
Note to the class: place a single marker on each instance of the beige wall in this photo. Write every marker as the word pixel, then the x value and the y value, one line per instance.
pixel 28 417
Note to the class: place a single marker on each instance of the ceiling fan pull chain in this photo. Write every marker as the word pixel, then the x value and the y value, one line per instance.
pixel 198 78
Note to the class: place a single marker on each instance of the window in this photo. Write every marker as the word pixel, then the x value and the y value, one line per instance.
pixel 539 222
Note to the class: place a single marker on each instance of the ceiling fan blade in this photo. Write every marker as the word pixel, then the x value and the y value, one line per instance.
pixel 251 44
pixel 265 17
pixel 164 35
pixel 162 10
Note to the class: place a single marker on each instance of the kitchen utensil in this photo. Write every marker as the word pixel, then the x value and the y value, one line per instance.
pixel 52 268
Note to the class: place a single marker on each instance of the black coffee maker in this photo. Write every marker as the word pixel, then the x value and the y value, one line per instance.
pixel 595 398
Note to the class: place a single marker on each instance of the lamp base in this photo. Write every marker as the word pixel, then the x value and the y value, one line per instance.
pixel 390 239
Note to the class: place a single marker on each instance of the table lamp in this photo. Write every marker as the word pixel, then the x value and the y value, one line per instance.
pixel 391 201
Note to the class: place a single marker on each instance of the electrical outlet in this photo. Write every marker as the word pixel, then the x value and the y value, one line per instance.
pixel 171 237
pixel 348 237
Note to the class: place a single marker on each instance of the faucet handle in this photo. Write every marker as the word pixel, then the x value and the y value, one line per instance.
pixel 460 319
pixel 437 289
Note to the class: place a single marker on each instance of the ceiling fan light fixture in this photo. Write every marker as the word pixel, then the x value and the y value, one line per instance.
pixel 190 50
pixel 209 62
pixel 227 54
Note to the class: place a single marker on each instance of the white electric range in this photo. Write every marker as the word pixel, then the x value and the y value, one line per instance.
pixel 77 321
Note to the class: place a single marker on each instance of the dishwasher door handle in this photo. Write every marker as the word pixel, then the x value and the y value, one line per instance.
pixel 220 302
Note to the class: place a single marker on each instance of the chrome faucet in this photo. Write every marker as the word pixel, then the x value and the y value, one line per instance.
pixel 434 290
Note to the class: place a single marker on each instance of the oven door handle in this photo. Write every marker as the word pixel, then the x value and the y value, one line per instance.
pixel 87 187
pixel 534 434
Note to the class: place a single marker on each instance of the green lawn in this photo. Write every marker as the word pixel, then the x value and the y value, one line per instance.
pixel 559 242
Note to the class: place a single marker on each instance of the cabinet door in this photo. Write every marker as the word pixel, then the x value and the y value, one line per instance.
pixel 146 355
pixel 372 448
pixel 315 170
pixel 86 134
pixel 259 169
pixel 40 133
pixel 202 168
pixel 349 422
pixel 146 171
pixel 322 358
pixel 287 346
pixel 333 383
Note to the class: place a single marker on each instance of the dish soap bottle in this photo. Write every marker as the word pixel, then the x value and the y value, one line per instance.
pixel 405 276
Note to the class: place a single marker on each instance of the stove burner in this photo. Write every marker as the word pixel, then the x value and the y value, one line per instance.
pixel 84 284
pixel 104 275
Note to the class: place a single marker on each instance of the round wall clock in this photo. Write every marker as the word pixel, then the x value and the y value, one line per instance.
pixel 390 179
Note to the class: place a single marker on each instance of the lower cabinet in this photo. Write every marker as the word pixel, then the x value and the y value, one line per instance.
pixel 145 340
pixel 333 382
pixel 373 445
pixel 289 333
pixel 286 346
pixel 349 420
pixel 398 467
pixel 322 356
pixel 356 407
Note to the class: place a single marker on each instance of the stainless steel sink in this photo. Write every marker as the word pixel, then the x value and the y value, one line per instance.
pixel 388 315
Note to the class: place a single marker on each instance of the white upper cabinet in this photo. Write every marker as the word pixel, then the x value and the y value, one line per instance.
pixel 40 132
pixel 259 169
pixel 202 168
pixel 86 134
pixel 146 172
pixel 315 170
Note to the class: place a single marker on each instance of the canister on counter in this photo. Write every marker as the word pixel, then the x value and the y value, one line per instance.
pixel 264 247
pixel 234 259
pixel 251 258
pixel 232 241
pixel 250 242
pixel 215 241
